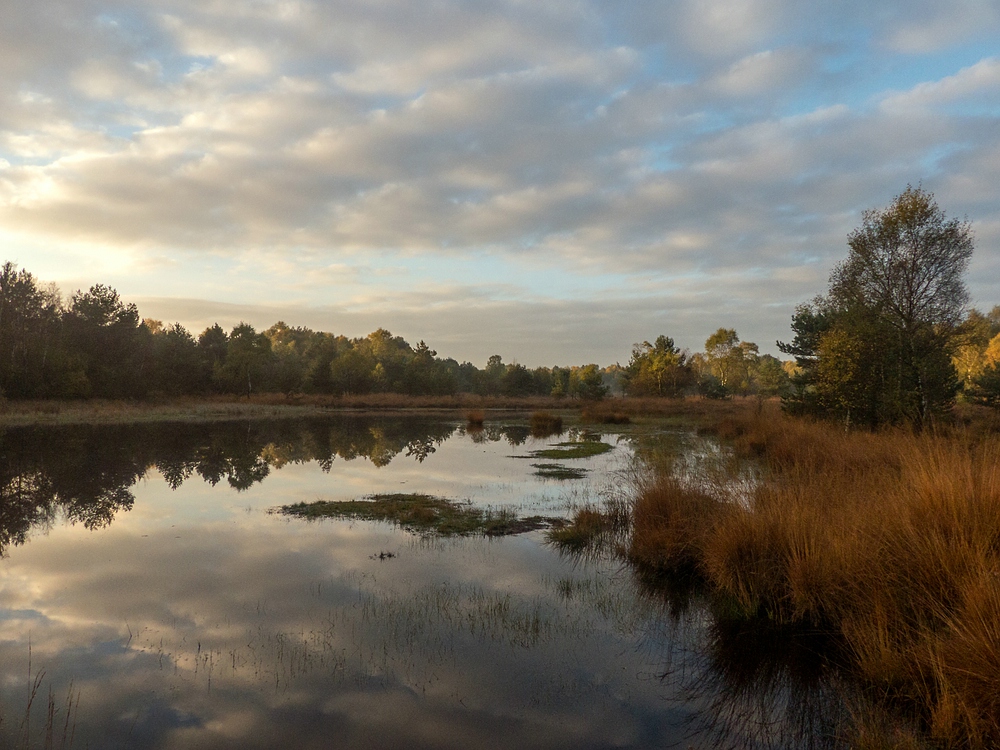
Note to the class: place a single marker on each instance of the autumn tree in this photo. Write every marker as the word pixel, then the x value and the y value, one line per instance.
pixel 879 347
pixel 659 369
pixel 731 364
pixel 587 383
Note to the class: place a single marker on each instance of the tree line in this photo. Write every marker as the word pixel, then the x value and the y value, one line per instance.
pixel 97 345
pixel 892 341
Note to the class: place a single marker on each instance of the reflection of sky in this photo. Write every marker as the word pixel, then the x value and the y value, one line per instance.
pixel 198 620
pixel 489 473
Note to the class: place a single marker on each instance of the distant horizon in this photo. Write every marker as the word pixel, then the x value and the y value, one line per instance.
pixel 549 183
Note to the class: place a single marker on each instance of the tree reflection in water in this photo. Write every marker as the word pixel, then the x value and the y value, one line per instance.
pixel 84 474
pixel 747 684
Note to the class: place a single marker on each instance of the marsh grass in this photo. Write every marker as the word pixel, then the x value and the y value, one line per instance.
pixel 604 414
pixel 55 727
pixel 595 528
pixel 890 541
pixel 260 406
pixel 272 405
pixel 573 449
pixel 585 532
pixel 544 423
pixel 558 471
pixel 423 514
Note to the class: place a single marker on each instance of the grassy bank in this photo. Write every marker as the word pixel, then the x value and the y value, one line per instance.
pixel 273 405
pixel 263 406
pixel 890 541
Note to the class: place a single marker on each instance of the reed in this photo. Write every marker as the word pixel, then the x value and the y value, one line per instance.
pixel 604 414
pixel 890 540
pixel 544 423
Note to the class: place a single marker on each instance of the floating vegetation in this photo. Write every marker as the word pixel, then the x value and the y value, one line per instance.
pixel 574 449
pixel 476 418
pixel 424 514
pixel 558 471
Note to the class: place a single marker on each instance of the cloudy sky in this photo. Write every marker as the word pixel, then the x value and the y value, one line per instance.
pixel 547 181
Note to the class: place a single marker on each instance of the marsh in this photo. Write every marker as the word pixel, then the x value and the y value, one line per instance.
pixel 153 595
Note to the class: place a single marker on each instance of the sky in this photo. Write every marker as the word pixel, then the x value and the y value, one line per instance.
pixel 550 182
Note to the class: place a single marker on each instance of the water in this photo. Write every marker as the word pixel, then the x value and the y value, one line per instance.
pixel 152 598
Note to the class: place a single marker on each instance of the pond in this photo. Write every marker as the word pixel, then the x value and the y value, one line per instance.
pixel 153 595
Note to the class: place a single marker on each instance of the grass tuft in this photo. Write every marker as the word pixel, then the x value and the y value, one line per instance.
pixel 584 532
pixel 544 424
pixel 891 541
pixel 558 471
pixel 604 414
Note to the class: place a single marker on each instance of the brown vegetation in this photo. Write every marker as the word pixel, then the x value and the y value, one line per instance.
pixel 264 405
pixel 269 405
pixel 604 413
pixel 544 423
pixel 890 540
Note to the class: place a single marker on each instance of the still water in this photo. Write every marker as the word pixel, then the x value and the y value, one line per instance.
pixel 150 597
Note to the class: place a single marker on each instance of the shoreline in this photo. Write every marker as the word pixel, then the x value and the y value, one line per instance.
pixel 281 406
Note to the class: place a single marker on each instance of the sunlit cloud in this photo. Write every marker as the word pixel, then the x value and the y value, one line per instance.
pixel 299 142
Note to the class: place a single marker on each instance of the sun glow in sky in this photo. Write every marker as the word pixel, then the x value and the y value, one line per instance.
pixel 547 181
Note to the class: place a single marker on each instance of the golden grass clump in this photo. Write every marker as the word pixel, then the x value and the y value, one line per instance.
pixel 475 418
pixel 604 414
pixel 671 525
pixel 891 540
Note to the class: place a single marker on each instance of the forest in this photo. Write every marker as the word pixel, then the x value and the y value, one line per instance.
pixel 96 345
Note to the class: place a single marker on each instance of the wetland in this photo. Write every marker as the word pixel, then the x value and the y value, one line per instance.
pixel 356 580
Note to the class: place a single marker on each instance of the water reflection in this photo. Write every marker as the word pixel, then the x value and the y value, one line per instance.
pixel 84 474
pixel 755 684
pixel 196 619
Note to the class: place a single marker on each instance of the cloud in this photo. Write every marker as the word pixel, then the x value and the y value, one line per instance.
pixel 928 26
pixel 577 139
pixel 976 83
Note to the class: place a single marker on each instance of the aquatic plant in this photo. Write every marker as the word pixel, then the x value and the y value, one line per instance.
pixel 574 449
pixel 424 514
pixel 558 471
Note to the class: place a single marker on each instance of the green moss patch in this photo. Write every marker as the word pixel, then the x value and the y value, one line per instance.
pixel 423 514
pixel 558 471
pixel 575 449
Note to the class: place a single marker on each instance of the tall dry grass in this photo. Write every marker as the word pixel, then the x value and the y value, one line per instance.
pixel 891 540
